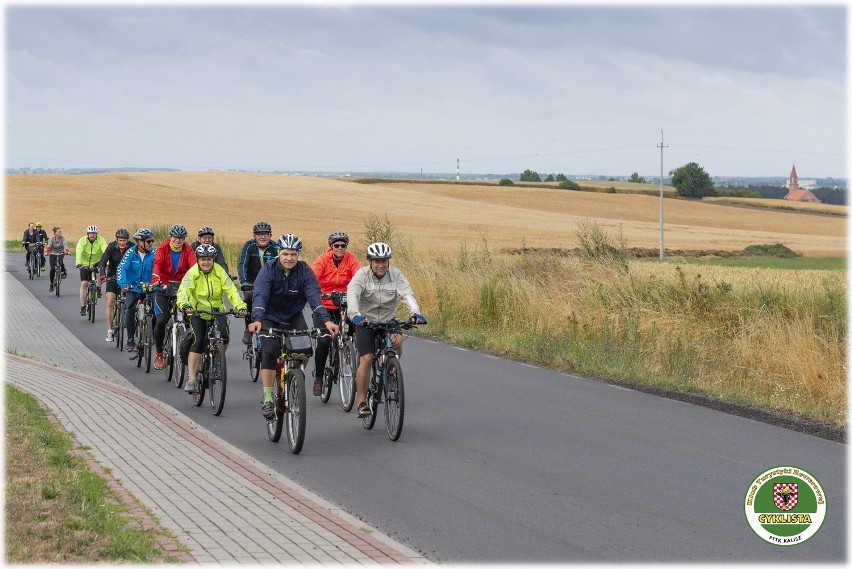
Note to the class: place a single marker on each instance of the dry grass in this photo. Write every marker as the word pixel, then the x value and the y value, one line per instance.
pixel 831 209
pixel 437 217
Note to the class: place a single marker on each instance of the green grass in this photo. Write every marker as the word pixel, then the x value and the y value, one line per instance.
pixel 798 263
pixel 57 509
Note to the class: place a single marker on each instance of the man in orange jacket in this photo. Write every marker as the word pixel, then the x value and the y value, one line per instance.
pixel 333 269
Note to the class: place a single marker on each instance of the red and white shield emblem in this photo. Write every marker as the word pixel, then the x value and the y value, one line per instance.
pixel 786 495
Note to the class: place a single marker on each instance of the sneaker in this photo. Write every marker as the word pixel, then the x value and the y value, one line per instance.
pixel 318 386
pixel 363 410
pixel 51 287
pixel 110 337
pixel 268 409
pixel 64 274
pixel 131 347
pixel 191 387
pixel 99 293
pixel 159 363
pixel 247 338
pixel 82 311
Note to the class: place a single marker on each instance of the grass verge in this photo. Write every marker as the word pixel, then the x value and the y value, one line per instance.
pixel 57 509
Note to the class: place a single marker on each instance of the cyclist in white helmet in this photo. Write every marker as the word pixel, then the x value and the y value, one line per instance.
pixel 90 248
pixel 372 296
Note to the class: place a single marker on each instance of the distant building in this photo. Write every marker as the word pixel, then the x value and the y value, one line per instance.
pixel 797 194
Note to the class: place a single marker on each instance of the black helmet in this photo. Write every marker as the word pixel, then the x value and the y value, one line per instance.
pixel 262 227
pixel 122 233
pixel 338 236
pixel 143 234
pixel 205 231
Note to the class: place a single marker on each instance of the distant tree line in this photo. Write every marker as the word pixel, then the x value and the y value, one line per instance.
pixel 833 196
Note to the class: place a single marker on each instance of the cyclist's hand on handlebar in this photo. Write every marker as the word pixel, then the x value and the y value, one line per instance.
pixel 79 266
pixel 187 310
pixel 359 320
pixel 102 278
pixel 254 326
pixel 246 288
pixel 418 319
pixel 242 313
pixel 332 328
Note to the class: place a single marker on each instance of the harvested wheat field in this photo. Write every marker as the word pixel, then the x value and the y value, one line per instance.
pixel 435 216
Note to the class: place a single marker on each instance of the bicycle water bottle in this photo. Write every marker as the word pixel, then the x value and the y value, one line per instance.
pixel 140 309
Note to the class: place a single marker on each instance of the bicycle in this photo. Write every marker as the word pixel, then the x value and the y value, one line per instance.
pixel 252 351
pixel 144 334
pixel 386 378
pixel 59 269
pixel 118 312
pixel 34 263
pixel 342 357
pixel 92 291
pixel 213 369
pixel 289 386
pixel 175 328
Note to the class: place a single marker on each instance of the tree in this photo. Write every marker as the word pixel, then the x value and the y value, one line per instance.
pixel 549 178
pixel 568 185
pixel 506 182
pixel 691 181
pixel 561 178
pixel 530 176
pixel 635 177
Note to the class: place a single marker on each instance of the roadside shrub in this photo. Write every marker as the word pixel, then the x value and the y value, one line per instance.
pixel 737 194
pixel 506 182
pixel 569 185
pixel 610 190
pixel 777 250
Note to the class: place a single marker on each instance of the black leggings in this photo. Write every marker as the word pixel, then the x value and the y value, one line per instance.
pixel 53 260
pixel 199 328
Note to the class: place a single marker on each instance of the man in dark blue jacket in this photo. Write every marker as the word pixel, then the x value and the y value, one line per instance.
pixel 282 288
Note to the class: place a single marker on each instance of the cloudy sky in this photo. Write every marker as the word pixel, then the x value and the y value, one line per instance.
pixel 555 88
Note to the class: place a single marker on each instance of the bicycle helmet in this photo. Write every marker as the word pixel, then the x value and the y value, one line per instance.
pixel 205 231
pixel 338 236
pixel 122 233
pixel 177 231
pixel 205 250
pixel 38 224
pixel 143 234
pixel 379 251
pixel 92 229
pixel 290 241
pixel 261 227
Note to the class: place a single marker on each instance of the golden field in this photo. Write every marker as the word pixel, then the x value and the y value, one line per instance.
pixel 438 217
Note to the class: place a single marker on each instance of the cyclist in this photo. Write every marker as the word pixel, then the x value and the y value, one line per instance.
pixel 135 269
pixel 333 269
pixel 173 258
pixel 372 296
pixel 34 234
pixel 205 237
pixel 205 286
pixel 282 288
pixel 55 249
pixel 255 254
pixel 107 267
pixel 90 248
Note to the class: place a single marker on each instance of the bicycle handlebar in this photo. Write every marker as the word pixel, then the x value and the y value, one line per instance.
pixel 312 332
pixel 391 325
pixel 216 312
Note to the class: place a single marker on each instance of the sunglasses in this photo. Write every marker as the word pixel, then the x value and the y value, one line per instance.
pixel 263 235
pixel 149 241
pixel 340 245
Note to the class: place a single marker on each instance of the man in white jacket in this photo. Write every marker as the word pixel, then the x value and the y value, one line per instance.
pixel 372 296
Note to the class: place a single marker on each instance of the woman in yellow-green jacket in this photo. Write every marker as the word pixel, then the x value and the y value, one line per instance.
pixel 204 287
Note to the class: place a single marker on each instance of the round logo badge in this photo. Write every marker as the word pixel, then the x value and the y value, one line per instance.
pixel 785 505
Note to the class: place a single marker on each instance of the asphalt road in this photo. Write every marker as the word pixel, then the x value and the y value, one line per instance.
pixel 502 462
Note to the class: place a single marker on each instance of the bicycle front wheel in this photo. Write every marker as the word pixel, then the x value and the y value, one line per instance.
pixel 330 373
pixel 201 380
pixel 168 350
pixel 394 398
pixel 218 379
pixel 141 333
pixel 149 342
pixel 253 357
pixel 119 327
pixel 91 305
pixel 346 376
pixel 297 410
pixel 177 357
pixel 275 425
pixel 58 281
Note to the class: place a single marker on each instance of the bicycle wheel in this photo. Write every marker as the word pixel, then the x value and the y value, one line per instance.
pixel 30 268
pixel 118 324
pixel 297 413
pixel 138 334
pixel 368 422
pixel 58 279
pixel 168 348
pixel 346 375
pixel 394 398
pixel 91 302
pixel 201 381
pixel 218 379
pixel 149 342
pixel 253 357
pixel 38 267
pixel 330 373
pixel 275 425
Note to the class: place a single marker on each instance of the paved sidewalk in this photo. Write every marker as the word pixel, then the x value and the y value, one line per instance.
pixel 239 512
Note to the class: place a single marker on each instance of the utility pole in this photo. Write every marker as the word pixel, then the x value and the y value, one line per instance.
pixel 661 146
pixel 457 169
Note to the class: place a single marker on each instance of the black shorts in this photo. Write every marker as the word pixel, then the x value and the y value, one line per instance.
pixel 269 346
pixel 199 328
pixel 365 339
pixel 86 273
pixel 112 286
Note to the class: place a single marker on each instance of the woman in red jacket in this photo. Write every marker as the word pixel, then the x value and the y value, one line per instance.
pixel 333 269
pixel 173 258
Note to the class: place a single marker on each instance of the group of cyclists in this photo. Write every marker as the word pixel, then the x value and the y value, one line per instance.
pixel 276 286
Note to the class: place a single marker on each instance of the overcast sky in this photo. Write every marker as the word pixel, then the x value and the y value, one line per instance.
pixel 556 88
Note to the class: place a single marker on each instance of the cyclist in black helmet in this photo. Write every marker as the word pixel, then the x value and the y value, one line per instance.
pixel 256 252
pixel 205 237
pixel 107 267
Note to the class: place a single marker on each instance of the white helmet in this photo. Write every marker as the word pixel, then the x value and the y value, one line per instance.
pixel 92 229
pixel 379 251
